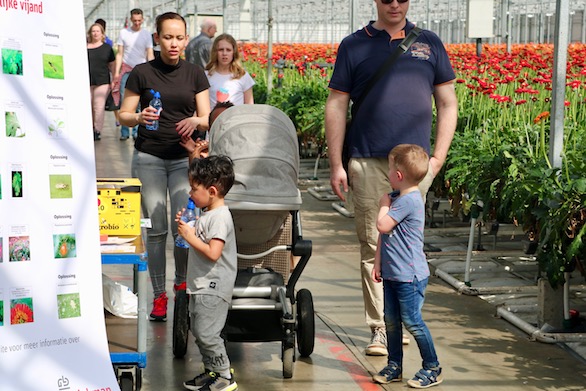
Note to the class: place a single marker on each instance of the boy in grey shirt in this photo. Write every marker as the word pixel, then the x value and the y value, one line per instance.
pixel 211 268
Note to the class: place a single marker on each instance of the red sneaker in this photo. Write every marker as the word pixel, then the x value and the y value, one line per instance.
pixel 180 287
pixel 159 312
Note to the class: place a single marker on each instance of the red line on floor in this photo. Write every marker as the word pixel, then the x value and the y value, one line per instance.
pixel 341 353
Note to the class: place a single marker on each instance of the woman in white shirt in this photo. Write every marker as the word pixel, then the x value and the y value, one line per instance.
pixel 228 79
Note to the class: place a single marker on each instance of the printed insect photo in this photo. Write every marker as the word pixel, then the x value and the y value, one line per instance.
pixel 68 305
pixel 64 246
pixel 53 66
pixel 60 186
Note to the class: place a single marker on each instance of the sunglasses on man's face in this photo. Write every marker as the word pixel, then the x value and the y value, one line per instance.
pixel 390 1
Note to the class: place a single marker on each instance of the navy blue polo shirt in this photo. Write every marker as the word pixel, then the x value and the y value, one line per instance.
pixel 398 108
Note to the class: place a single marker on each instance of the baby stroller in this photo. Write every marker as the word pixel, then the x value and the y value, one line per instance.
pixel 265 203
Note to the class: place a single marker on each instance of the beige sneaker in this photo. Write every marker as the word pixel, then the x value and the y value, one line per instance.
pixel 378 343
pixel 406 339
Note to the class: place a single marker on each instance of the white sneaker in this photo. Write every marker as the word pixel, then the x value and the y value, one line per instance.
pixel 378 343
pixel 406 339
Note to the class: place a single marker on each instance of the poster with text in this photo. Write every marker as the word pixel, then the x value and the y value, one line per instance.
pixel 52 328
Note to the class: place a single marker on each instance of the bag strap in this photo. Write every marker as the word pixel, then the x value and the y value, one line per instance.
pixel 402 48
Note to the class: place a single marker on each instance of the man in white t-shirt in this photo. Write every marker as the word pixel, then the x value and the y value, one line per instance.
pixel 135 46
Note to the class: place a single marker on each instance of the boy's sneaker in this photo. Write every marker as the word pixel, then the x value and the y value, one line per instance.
pixel 378 343
pixel 159 312
pixel 200 380
pixel 406 339
pixel 388 374
pixel 426 378
pixel 220 383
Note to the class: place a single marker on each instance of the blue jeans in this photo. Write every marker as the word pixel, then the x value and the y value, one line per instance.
pixel 160 177
pixel 125 130
pixel 403 303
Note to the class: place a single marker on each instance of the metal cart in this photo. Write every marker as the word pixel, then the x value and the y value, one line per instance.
pixel 127 337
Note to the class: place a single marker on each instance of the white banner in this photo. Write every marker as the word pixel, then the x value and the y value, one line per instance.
pixel 52 330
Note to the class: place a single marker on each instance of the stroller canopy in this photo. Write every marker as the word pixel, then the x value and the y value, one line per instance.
pixel 262 142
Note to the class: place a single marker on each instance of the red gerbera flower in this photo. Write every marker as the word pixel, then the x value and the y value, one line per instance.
pixel 21 313
pixel 541 116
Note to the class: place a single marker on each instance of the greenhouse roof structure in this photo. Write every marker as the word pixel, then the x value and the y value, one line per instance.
pixel 328 21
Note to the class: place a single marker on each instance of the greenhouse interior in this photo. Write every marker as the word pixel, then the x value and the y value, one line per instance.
pixel 328 21
pixel 520 140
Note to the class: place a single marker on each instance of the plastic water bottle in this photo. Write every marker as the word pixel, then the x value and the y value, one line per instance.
pixel 158 105
pixel 189 216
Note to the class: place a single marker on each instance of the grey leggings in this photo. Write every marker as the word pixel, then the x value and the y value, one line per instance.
pixel 161 177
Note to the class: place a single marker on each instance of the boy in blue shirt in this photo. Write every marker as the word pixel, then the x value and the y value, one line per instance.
pixel 211 269
pixel 401 265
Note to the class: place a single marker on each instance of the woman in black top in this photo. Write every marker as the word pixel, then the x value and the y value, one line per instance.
pixel 159 160
pixel 101 61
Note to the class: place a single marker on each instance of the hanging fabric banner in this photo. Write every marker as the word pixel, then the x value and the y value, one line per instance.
pixel 52 330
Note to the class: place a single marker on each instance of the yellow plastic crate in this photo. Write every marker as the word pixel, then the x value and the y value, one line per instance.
pixel 119 206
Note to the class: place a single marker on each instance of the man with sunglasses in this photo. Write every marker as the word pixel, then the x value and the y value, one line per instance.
pixel 397 110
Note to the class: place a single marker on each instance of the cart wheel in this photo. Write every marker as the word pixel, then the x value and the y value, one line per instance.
pixel 138 379
pixel 180 324
pixel 288 361
pixel 126 382
pixel 305 323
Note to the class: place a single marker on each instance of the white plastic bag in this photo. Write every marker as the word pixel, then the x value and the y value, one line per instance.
pixel 119 299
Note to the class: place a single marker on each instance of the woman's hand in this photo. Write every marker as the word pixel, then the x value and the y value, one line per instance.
pixel 148 115
pixel 186 126
pixel 115 83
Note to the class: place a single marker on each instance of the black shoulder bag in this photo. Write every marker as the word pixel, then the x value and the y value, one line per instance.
pixel 402 48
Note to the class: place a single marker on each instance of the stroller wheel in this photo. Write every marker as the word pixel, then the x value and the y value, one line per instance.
pixel 305 323
pixel 180 324
pixel 288 361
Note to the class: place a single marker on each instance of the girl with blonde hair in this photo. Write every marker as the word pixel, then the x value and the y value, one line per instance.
pixel 228 79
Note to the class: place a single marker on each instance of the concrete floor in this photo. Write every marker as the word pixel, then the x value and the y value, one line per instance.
pixel 476 349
